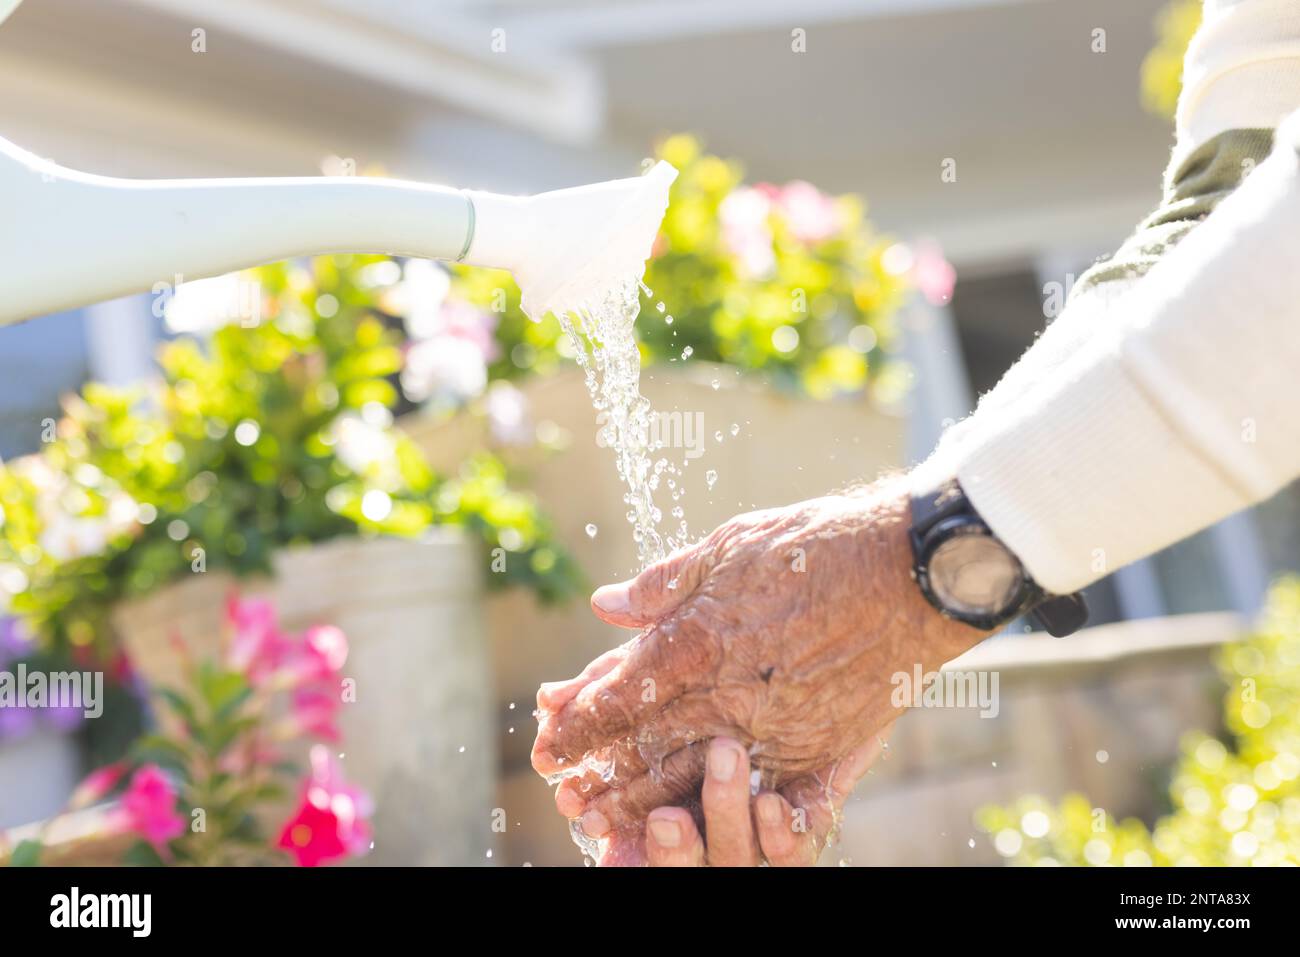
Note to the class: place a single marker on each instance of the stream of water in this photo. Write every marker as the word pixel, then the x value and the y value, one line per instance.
pixel 603 336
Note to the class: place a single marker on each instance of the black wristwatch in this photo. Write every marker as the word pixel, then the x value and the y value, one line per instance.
pixel 969 575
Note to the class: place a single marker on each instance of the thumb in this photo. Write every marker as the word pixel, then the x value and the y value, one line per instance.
pixel 653 594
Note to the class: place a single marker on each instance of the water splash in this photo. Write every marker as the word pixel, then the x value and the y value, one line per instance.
pixel 602 334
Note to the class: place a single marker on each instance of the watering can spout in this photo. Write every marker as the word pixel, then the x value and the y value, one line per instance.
pixel 558 245
pixel 69 238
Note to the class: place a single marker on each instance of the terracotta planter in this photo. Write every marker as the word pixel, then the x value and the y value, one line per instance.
pixel 419 738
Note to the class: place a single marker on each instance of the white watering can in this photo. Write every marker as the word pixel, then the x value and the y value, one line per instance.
pixel 68 238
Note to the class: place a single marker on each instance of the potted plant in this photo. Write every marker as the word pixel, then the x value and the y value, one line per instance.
pixel 265 454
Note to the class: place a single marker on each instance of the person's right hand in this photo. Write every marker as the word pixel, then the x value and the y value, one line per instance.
pixel 789 828
pixel 783 630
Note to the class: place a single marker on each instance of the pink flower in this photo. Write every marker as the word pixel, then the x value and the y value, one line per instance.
pixel 932 273
pixel 319 656
pixel 96 784
pixel 149 807
pixel 314 713
pixel 745 229
pixel 312 836
pixel 507 413
pixel 446 367
pixel 810 213
pixel 331 820
pixel 257 646
pixel 464 320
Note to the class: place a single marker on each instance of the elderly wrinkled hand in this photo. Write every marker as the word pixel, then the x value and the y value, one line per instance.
pixel 781 630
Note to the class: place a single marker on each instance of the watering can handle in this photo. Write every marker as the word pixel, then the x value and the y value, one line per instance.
pixel 68 238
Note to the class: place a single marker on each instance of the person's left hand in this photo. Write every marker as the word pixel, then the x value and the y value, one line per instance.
pixel 786 828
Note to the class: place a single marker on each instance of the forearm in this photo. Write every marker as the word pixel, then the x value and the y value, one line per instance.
pixel 1173 412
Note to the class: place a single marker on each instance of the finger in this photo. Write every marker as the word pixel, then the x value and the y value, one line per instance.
pixel 822 795
pixel 553 695
pixel 660 666
pixel 678 784
pixel 782 834
pixel 672 839
pixel 613 767
pixel 680 725
pixel 654 593
pixel 624 849
pixel 726 806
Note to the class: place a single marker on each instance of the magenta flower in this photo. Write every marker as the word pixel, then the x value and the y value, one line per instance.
pixel 257 646
pixel 149 807
pixel 314 713
pixel 322 653
pixel 312 836
pixel 331 821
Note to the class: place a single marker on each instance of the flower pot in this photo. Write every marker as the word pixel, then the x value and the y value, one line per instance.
pixel 38 771
pixel 419 736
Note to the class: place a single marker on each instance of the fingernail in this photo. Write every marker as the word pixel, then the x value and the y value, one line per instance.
pixel 612 599
pixel 569 804
pixel 723 759
pixel 769 809
pixel 594 824
pixel 666 833
pixel 544 762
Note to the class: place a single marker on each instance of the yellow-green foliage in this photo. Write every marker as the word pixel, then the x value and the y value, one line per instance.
pixel 1162 70
pixel 738 268
pixel 1234 804
pixel 239 449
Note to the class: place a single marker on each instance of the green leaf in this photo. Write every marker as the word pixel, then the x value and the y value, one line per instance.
pixel 27 854
pixel 143 854
pixel 179 704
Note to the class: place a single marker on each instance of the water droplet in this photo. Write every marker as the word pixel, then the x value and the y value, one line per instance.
pixel 489 853
pixel 735 429
pixel 716 385
pixel 711 476
pixel 672 584
pixel 971 842
pixel 687 352
pixel 661 307
pixel 591 530
pixel 717 437
pixel 462 749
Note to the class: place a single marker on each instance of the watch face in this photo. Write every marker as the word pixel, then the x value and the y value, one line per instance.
pixel 975 574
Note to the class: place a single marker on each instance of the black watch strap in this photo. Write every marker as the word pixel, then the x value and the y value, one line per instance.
pixel 1058 615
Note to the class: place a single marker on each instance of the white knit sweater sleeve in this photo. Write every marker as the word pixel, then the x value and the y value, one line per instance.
pixel 1140 418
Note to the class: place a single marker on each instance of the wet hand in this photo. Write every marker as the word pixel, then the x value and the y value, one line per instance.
pixel 781 630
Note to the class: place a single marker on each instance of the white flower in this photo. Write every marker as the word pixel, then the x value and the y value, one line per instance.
pixel 444 367
pixel 507 411
pixel 419 296
pixel 361 445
